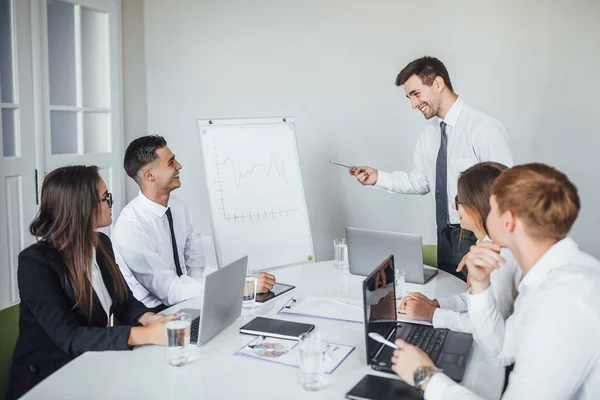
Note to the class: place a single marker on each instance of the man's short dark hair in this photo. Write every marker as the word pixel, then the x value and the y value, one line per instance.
pixel 141 152
pixel 427 68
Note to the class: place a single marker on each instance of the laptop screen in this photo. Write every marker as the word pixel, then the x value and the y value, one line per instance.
pixel 379 301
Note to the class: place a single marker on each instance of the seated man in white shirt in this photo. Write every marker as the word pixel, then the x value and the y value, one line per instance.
pixel 551 342
pixel 157 246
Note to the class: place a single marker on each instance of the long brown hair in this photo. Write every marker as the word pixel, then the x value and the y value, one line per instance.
pixel 69 206
pixel 475 189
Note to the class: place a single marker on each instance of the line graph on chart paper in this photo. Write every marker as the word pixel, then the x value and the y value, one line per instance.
pixel 241 185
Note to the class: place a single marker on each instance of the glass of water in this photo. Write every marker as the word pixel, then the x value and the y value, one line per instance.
pixel 312 361
pixel 178 332
pixel 340 253
pixel 250 288
pixel 399 279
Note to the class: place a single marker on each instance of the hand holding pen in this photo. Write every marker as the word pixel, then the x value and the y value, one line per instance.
pixel 365 175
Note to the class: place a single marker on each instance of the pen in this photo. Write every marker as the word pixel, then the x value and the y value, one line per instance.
pixel 377 337
pixel 258 339
pixel 343 165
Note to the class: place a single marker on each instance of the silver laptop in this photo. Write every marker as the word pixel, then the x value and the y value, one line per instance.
pixel 366 249
pixel 221 301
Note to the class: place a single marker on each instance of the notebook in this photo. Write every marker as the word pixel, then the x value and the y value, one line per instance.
pixel 278 328
pixel 372 387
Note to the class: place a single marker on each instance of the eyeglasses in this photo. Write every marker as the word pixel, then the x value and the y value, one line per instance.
pixel 108 199
pixel 456 202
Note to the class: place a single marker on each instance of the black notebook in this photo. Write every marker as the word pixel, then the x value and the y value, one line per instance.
pixel 372 387
pixel 276 328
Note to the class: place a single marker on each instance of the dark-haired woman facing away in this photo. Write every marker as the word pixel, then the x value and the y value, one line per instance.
pixel 69 283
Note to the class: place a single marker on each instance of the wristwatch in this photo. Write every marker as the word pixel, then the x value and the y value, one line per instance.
pixel 423 375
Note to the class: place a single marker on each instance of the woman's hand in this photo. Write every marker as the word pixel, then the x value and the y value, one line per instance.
pixel 153 333
pixel 147 318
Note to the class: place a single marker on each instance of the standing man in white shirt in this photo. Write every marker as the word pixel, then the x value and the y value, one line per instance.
pixel 550 345
pixel 457 137
pixel 157 246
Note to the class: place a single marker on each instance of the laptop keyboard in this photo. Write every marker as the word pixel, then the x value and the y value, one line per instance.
pixel 194 331
pixel 427 339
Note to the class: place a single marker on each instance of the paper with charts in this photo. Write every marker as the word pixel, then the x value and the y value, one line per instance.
pixel 287 352
pixel 255 191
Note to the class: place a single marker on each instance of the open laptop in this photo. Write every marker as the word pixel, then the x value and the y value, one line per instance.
pixel 366 249
pixel 449 350
pixel 221 301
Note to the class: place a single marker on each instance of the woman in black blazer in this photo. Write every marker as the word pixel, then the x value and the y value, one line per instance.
pixel 69 283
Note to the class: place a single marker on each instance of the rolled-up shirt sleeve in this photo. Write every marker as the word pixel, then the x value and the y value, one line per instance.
pixel 414 182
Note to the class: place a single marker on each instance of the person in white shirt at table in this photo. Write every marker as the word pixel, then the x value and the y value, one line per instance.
pixel 473 205
pixel 157 246
pixel 550 345
pixel 456 137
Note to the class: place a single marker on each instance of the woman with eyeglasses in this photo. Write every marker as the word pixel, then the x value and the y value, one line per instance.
pixel 473 205
pixel 70 285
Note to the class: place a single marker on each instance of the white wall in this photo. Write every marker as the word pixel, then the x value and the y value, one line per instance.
pixel 332 65
pixel 135 107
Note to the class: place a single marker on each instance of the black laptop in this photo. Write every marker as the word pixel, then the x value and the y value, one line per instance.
pixel 449 350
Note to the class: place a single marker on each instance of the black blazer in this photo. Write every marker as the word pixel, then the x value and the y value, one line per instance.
pixel 51 332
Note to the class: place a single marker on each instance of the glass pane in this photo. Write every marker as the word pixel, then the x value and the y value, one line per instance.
pixel 95 58
pixel 9 132
pixel 6 58
pixel 63 132
pixel 61 53
pixel 96 132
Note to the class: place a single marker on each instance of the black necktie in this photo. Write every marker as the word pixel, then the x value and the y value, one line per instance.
pixel 174 242
pixel 441 181
pixel 507 371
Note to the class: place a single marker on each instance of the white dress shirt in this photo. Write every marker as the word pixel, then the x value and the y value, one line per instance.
pixel 453 312
pixel 142 243
pixel 473 137
pixel 100 288
pixel 553 336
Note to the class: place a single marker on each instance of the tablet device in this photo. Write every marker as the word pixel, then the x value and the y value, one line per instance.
pixel 278 289
pixel 372 387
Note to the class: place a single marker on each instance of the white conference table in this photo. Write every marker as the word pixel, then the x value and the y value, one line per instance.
pixel 213 372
